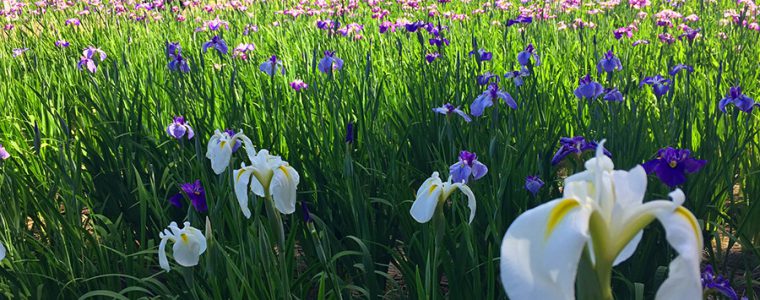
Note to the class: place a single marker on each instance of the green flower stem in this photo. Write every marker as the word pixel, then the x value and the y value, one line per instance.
pixel 600 237
pixel 275 221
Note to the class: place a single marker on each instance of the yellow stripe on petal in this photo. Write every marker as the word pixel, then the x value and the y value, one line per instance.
pixel 184 238
pixel 222 143
pixel 686 214
pixel 284 171
pixel 240 173
pixel 558 213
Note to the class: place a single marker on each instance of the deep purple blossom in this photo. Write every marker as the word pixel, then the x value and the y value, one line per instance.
pixel 517 76
pixel 439 41
pixel 467 166
pixel 533 184
pixel 298 85
pixel 493 93
pixel 671 165
pixel 740 100
pixel 89 60
pixel 430 57
pixel 62 44
pixel 330 63
pixel 4 153
pixel 178 63
pixel 413 27
pixel 588 88
pixel 350 133
pixel 482 54
pixel 680 67
pixel 448 109
pixel 717 283
pixel 613 95
pixel 574 145
pixel 486 78
pixel 217 43
pixel 660 85
pixel 306 215
pixel 689 33
pixel 172 49
pixel 609 63
pixel 195 192
pixel 623 32
pixel 178 128
pixel 520 19
pixel 523 58
pixel 271 66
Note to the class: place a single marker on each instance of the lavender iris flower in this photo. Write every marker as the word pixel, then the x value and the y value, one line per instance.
pixel 517 76
pixel 271 66
pixel 89 60
pixel 717 283
pixel 609 63
pixel 431 57
pixel 178 128
pixel 298 85
pixel 217 43
pixel 467 166
pixel 680 67
pixel 195 192
pixel 533 184
pixel 488 97
pixel 172 49
pixel 741 101
pixel 448 109
pixel 524 56
pixel 439 41
pixel 486 78
pixel 330 63
pixel 18 51
pixel 660 85
pixel 4 153
pixel 72 22
pixel 613 95
pixel 588 88
pixel 575 145
pixel 482 54
pixel 62 44
pixel 178 63
pixel 520 19
pixel 671 165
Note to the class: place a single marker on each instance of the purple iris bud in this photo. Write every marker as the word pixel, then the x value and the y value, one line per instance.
pixel 271 66
pixel 413 27
pixel 482 54
pixel 640 42
pixel 523 58
pixel 89 60
pixel 62 44
pixel 217 43
pixel 660 85
pixel 680 67
pixel 350 133
pixel 520 19
pixel 467 166
pixel 609 63
pixel 671 165
pixel 298 85
pixel 306 215
pixel 574 145
pixel 196 193
pixel 438 41
pixel 178 128
pixel 330 63
pixel 448 109
pixel 717 283
pixel 533 184
pixel 517 76
pixel 176 200
pixel 4 153
pixel 18 51
pixel 488 97
pixel 430 57
pixel 738 99
pixel 237 145
pixel 689 33
pixel 385 26
pixel 172 49
pixel 588 88
pixel 613 95
pixel 486 78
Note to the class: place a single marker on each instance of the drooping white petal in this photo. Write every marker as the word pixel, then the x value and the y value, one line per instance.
pixel 470 198
pixel 629 193
pixel 684 235
pixel 220 156
pixel 434 179
pixel 162 261
pixel 188 247
pixel 283 188
pixel 242 177
pixel 541 251
pixel 426 202
pixel 250 150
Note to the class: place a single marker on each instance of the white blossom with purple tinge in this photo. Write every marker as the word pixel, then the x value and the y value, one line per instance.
pixel 4 153
pixel 241 51
pixel 272 66
pixel 89 59
pixel 488 97
pixel 18 51
pixel 433 192
pixel 448 109
pixel 221 146
pixel 467 166
pixel 178 128
pixel 330 63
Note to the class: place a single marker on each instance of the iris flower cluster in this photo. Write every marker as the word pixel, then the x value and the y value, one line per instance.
pixel 176 61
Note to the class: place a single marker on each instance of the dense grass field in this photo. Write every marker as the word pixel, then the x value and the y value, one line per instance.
pixel 92 166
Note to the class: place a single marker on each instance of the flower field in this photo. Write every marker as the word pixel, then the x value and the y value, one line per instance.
pixel 407 149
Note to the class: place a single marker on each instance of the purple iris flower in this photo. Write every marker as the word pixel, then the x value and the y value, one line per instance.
pixel 438 41
pixel 740 100
pixel 4 153
pixel 306 215
pixel 350 133
pixel 468 165
pixel 486 78
pixel 72 22
pixel 613 95
pixel 178 128
pixel 217 43
pixel 671 165
pixel 689 34
pixel 517 76
pixel 640 42
pixel 574 145
pixel 330 63
pixel 533 184
pixel 271 66
pixel 194 191
pixel 18 51
pixel 482 54
pixel 172 49
pixel 178 62
pixel 412 27
pixel 487 98
pixel 524 56
pixel 660 85
pixel 89 60
pixel 680 67
pixel 430 57
pixel 298 85
pixel 717 283
pixel 588 88
pixel 448 109
pixel 609 63
pixel 520 19
pixel 62 43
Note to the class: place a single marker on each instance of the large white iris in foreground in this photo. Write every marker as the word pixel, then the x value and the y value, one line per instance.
pixel 602 211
